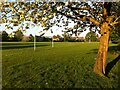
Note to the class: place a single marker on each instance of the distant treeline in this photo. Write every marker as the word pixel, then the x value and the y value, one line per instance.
pixel 66 37
pixel 17 36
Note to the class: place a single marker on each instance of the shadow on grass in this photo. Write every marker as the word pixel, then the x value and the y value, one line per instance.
pixel 16 43
pixel 111 64
pixel 111 49
pixel 18 46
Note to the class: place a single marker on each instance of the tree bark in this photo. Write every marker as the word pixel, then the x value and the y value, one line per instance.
pixel 99 67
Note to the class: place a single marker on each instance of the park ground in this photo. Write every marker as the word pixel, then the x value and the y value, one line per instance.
pixel 66 65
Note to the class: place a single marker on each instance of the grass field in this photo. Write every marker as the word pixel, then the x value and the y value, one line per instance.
pixel 67 65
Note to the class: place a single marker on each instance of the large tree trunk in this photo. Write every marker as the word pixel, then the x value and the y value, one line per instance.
pixel 99 67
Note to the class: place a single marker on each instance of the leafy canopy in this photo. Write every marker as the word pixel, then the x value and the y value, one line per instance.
pixel 83 14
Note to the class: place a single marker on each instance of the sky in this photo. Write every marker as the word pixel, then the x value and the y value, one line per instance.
pixel 36 30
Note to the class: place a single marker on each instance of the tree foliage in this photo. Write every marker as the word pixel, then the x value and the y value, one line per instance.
pixel 49 14
pixel 18 36
pixel 114 36
pixel 66 36
pixel 0 36
pixel 31 38
pixel 91 37
pixel 5 36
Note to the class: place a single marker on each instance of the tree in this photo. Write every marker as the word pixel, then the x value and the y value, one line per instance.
pixel 0 36
pixel 91 36
pixel 96 15
pixel 114 37
pixel 115 34
pixel 18 36
pixel 66 36
pixel 57 38
pixel 31 38
pixel 25 38
pixel 5 36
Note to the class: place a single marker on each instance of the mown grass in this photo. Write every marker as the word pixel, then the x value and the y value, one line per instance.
pixel 67 65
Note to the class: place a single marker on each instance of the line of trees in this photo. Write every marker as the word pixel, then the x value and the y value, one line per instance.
pixel 19 36
pixel 90 37
pixel 15 36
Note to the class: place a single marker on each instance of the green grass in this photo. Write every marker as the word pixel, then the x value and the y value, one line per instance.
pixel 67 65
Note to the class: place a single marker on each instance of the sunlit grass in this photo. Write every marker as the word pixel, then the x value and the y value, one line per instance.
pixel 65 65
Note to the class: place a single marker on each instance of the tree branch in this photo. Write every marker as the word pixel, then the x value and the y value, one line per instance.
pixel 93 21
pixel 89 9
pixel 84 17
pixel 115 22
pixel 73 8
pixel 81 18
pixel 68 16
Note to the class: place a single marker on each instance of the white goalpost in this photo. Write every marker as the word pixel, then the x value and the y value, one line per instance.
pixel 34 43
pixel 52 42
